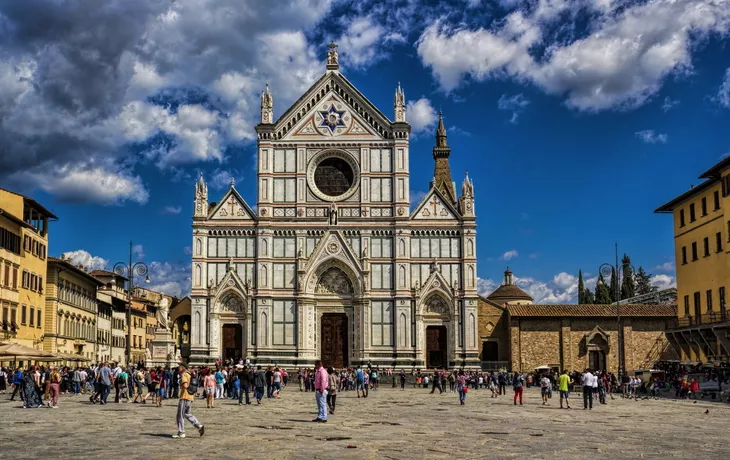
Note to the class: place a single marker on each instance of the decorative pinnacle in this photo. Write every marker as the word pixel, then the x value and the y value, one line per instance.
pixel 233 182
pixel 441 132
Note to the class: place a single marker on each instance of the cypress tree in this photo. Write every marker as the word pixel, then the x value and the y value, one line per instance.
pixel 581 288
pixel 613 290
pixel 643 282
pixel 603 296
pixel 628 285
pixel 588 297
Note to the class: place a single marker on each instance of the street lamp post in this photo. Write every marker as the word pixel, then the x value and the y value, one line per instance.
pixel 141 269
pixel 607 270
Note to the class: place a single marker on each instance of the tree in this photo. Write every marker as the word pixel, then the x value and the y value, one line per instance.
pixel 581 288
pixel 643 282
pixel 603 296
pixel 588 297
pixel 613 290
pixel 628 285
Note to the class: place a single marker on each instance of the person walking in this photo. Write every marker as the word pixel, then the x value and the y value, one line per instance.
pixel 209 389
pixel 188 388
pixel 332 390
pixel 462 387
pixel 244 379
pixel 545 388
pixel 502 381
pixel 321 383
pixel 436 381
pixel 105 378
pixel 17 383
pixel 30 388
pixel 259 383
pixel 402 379
pixel 564 381
pixel 518 383
pixel 587 390
pixel 55 379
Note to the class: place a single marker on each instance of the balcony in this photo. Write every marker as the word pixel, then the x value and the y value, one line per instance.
pixel 713 317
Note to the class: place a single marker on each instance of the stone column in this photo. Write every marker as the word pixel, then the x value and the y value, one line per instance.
pixel 566 344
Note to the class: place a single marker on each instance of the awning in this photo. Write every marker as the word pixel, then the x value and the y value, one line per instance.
pixel 17 351
pixel 71 357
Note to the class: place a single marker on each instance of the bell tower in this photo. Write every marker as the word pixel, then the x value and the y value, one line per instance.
pixel 442 171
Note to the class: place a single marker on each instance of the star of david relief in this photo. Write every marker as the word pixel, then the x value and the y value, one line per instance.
pixel 334 281
pixel 332 120
pixel 437 305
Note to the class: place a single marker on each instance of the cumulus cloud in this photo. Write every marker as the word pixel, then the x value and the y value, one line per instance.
pixel 669 104
pixel 362 42
pixel 172 210
pixel 421 115
pixel 170 278
pixel 221 179
pixel 663 281
pixel 561 289
pixel 515 104
pixel 91 92
pixel 86 260
pixel 621 63
pixel 648 136
pixel 666 267
pixel 509 255
pixel 723 93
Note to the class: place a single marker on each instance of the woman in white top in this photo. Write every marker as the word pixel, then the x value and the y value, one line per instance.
pixel 277 382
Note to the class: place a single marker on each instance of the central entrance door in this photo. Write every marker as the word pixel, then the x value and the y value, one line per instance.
pixel 334 341
pixel 232 341
pixel 436 347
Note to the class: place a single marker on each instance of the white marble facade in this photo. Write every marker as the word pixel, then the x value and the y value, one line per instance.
pixel 333 232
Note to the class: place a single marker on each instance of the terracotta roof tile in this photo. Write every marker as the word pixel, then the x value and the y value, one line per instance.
pixel 635 310
pixel 509 291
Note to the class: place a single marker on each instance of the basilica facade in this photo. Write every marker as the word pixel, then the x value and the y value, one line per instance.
pixel 332 263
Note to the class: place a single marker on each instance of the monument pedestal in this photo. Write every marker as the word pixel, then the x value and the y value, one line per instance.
pixel 163 349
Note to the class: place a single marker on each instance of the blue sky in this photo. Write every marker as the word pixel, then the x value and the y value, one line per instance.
pixel 575 118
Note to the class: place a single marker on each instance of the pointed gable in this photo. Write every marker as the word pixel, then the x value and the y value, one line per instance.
pixel 332 107
pixel 333 250
pixel 232 207
pixel 435 206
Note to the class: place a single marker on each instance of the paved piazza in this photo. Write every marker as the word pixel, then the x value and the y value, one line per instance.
pixel 388 424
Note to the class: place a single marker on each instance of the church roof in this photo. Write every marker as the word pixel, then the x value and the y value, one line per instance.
pixel 509 291
pixel 607 310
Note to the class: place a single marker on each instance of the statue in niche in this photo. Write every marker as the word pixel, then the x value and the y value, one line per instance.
pixel 333 214
pixel 334 281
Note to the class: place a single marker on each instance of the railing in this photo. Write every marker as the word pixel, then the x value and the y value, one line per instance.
pixel 495 365
pixel 708 318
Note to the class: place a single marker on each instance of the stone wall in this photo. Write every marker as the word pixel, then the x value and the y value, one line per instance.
pixel 535 342
pixel 493 327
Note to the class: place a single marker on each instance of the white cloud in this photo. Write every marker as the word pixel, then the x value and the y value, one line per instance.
pixel 138 251
pixel 723 93
pixel 509 255
pixel 421 115
pixel 630 49
pixel 359 44
pixel 221 179
pixel 561 289
pixel 648 136
pixel 663 281
pixel 515 104
pixel 669 104
pixel 666 267
pixel 86 260
pixel 170 278
pixel 172 210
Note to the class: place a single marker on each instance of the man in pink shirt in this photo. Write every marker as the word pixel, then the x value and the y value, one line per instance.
pixel 321 383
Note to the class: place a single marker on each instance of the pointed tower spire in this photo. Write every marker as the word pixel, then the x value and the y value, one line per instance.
pixel 201 198
pixel 442 171
pixel 400 105
pixel 233 182
pixel 267 106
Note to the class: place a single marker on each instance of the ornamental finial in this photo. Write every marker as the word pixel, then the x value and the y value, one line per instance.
pixel 332 58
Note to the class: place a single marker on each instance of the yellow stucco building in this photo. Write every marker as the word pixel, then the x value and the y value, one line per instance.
pixel 701 244
pixel 23 252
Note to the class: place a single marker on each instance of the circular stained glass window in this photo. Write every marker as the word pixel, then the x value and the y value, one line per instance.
pixel 334 176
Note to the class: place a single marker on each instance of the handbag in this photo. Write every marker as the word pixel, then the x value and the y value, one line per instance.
pixel 465 389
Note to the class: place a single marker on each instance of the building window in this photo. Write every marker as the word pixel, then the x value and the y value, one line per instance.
pixel 686 305
pixel 284 190
pixel 721 294
pixel 38 323
pixel 381 247
pixel 23 315
pixel 284 247
pixel 716 198
pixel 718 241
pixel 709 300
pixel 692 212
pixel 9 241
pixel 435 247
pixel 681 217
pixel 380 190
pixel 706 245
pixel 703 202
pixel 32 316
pixel 284 276
pixel 694 251
pixel 382 323
pixel 380 160
pixel 381 276
pixel 697 305
pixel 285 314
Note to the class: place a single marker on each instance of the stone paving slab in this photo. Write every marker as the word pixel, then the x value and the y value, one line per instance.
pixel 389 424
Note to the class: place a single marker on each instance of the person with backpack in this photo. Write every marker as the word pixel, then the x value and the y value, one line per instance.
pixel 259 382
pixel 220 380
pixel 188 388
pixel 518 384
